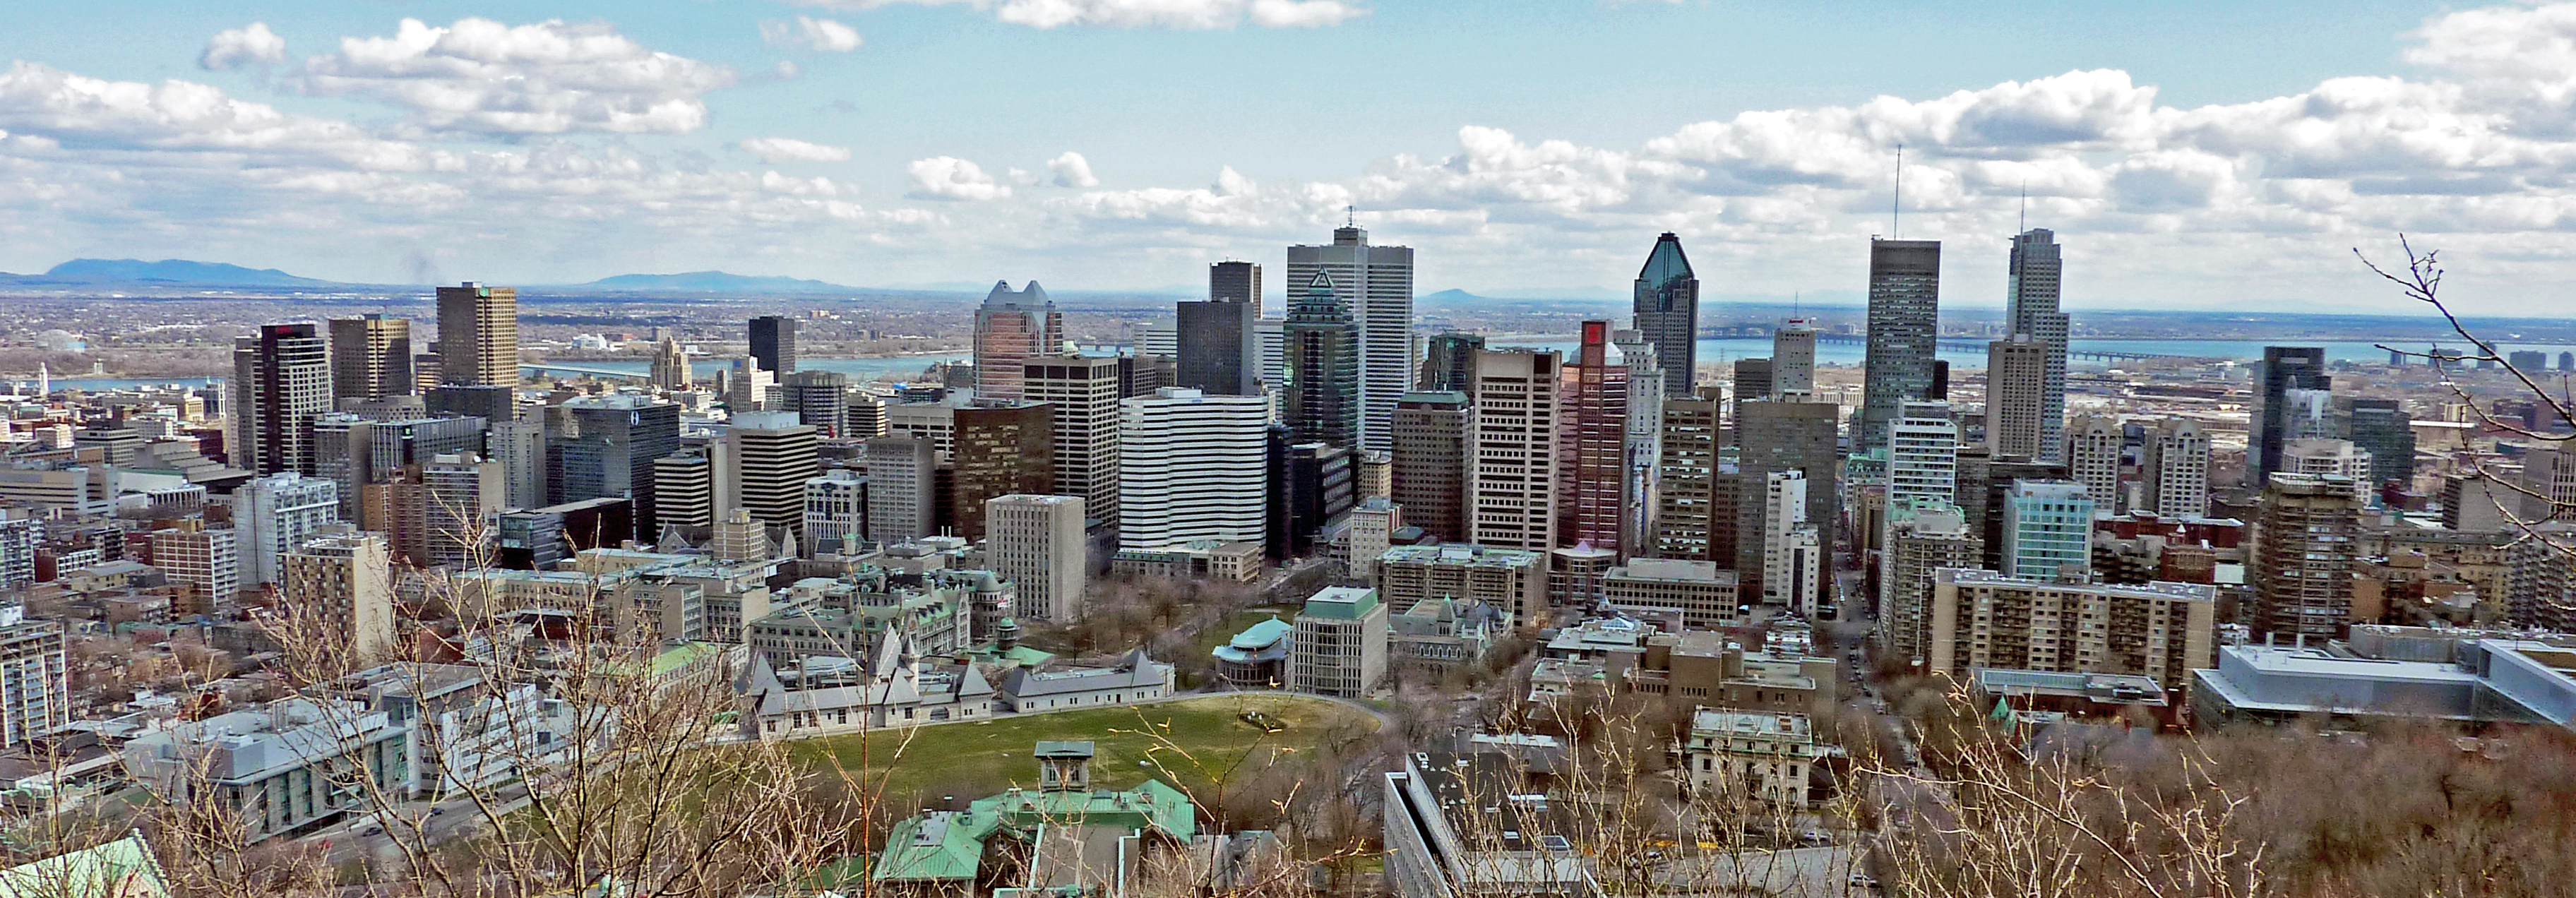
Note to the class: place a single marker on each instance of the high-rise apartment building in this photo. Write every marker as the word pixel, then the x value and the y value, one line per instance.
pixel 1036 541
pixel 478 335
pixel 2339 458
pixel 276 513
pixel 1686 472
pixel 520 446
pixel 1922 538
pixel 2017 397
pixel 208 561
pixel 2177 469
pixel 1192 466
pixel 1784 518
pixel 773 345
pixel 1323 401
pixel 1011 328
pixel 2048 530
pixel 605 446
pixel 1592 444
pixel 2093 447
pixel 1428 476
pixel 2031 310
pixel 1923 454
pixel 445 509
pixel 1793 357
pixel 1645 441
pixel 1082 392
pixel 1220 340
pixel 1449 362
pixel 35 679
pixel 371 357
pixel 903 477
pixel 281 382
pixel 347 578
pixel 1981 619
pixel 2302 556
pixel 2285 368
pixel 1667 313
pixel 1375 283
pixel 1904 327
pixel 774 454
pixel 1512 469
pixel 1001 449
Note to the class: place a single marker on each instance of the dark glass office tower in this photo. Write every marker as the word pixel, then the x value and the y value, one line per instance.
pixel 1323 367
pixel 1235 282
pixel 604 446
pixel 2383 427
pixel 2285 368
pixel 1904 324
pixel 773 343
pixel 281 382
pixel 1220 346
pixel 1668 313
pixel 1449 364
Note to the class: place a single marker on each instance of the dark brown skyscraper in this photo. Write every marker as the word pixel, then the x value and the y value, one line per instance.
pixel 1000 450
pixel 1777 436
pixel 478 335
pixel 371 357
pixel 773 343
pixel 1429 465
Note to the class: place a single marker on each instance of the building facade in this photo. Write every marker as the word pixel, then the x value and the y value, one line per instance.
pixel 1376 286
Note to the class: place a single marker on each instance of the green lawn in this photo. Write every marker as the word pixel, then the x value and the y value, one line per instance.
pixel 971 760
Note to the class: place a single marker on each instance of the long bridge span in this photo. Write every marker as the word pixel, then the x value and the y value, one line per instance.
pixel 1963 344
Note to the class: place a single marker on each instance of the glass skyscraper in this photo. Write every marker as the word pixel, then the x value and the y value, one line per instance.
pixel 1904 327
pixel 1667 309
pixel 1323 401
pixel 1375 284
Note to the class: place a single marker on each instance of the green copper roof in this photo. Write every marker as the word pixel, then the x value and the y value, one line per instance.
pixel 1342 603
pixel 124 868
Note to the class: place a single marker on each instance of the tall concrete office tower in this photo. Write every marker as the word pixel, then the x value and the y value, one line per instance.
pixel 2285 368
pixel 2017 397
pixel 1011 328
pixel 1192 466
pixel 1036 541
pixel 1376 284
pixel 1923 455
pixel 1904 326
pixel 1220 339
pixel 1645 440
pixel 2177 469
pixel 1324 374
pixel 1429 465
pixel 1687 474
pixel 1592 443
pixel 1774 437
pixel 773 454
pixel 773 345
pixel 2030 306
pixel 1082 391
pixel 1793 357
pixel 903 475
pixel 281 382
pixel 371 358
pixel 1512 468
pixel 478 336
pixel 1667 309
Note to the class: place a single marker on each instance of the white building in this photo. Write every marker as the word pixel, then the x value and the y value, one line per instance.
pixel 1784 513
pixel 836 508
pixel 1764 756
pixel 1511 474
pixel 2336 457
pixel 2177 469
pixel 903 473
pixel 1193 466
pixel 1379 282
pixel 1923 454
pixel 1370 532
pixel 275 514
pixel 1037 542
pixel 35 685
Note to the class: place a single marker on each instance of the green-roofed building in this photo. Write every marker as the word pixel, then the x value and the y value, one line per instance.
pixel 1339 647
pixel 124 868
pixel 1063 838
pixel 1256 658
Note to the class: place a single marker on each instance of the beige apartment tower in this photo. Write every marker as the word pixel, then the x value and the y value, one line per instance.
pixel 478 335
pixel 2017 396
pixel 1037 542
pixel 1511 485
pixel 1985 619
pixel 347 578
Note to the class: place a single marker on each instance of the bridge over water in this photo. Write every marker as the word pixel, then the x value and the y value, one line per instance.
pixel 1963 344
pixel 577 369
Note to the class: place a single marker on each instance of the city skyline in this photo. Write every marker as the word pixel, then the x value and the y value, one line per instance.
pixel 348 138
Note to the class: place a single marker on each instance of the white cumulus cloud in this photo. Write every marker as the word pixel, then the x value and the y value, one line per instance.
pixel 774 150
pixel 479 75
pixel 951 178
pixel 811 33
pixel 249 45
pixel 1071 170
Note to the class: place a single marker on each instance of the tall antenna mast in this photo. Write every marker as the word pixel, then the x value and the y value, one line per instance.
pixel 2025 204
pixel 1350 216
pixel 1896 207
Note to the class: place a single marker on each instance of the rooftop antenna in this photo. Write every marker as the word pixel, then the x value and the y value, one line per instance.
pixel 1897 206
pixel 2025 203
pixel 1350 216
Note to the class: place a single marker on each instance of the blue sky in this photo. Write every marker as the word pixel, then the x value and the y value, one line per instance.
pixel 2190 154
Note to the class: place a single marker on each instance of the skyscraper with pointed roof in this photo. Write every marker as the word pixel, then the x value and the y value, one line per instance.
pixel 1011 328
pixel 1323 401
pixel 1375 285
pixel 1667 307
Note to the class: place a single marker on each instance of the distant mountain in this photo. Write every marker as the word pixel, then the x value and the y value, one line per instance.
pixel 715 282
pixel 166 271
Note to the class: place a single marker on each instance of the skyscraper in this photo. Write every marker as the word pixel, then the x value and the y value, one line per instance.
pixel 1904 326
pixel 1449 362
pixel 1036 542
pixel 1793 357
pixel 2048 530
pixel 2285 368
pixel 1686 470
pixel 1323 366
pixel 1001 449
pixel 2093 446
pixel 1592 443
pixel 1784 519
pixel 371 358
pixel 773 345
pixel 903 474
pixel 2177 469
pixel 478 335
pixel 444 515
pixel 1667 310
pixel 1512 468
pixel 1774 436
pixel 1192 466
pixel 1430 462
pixel 2302 557
pixel 670 367
pixel 274 515
pixel 1011 328
pixel 1236 282
pixel 1645 440
pixel 1923 455
pixel 348 578
pixel 2031 307
pixel 2016 397
pixel 820 399
pixel 281 382
pixel 1220 347
pixel 1375 283
pixel 1082 392
pixel 2381 426
pixel 773 454
pixel 604 447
